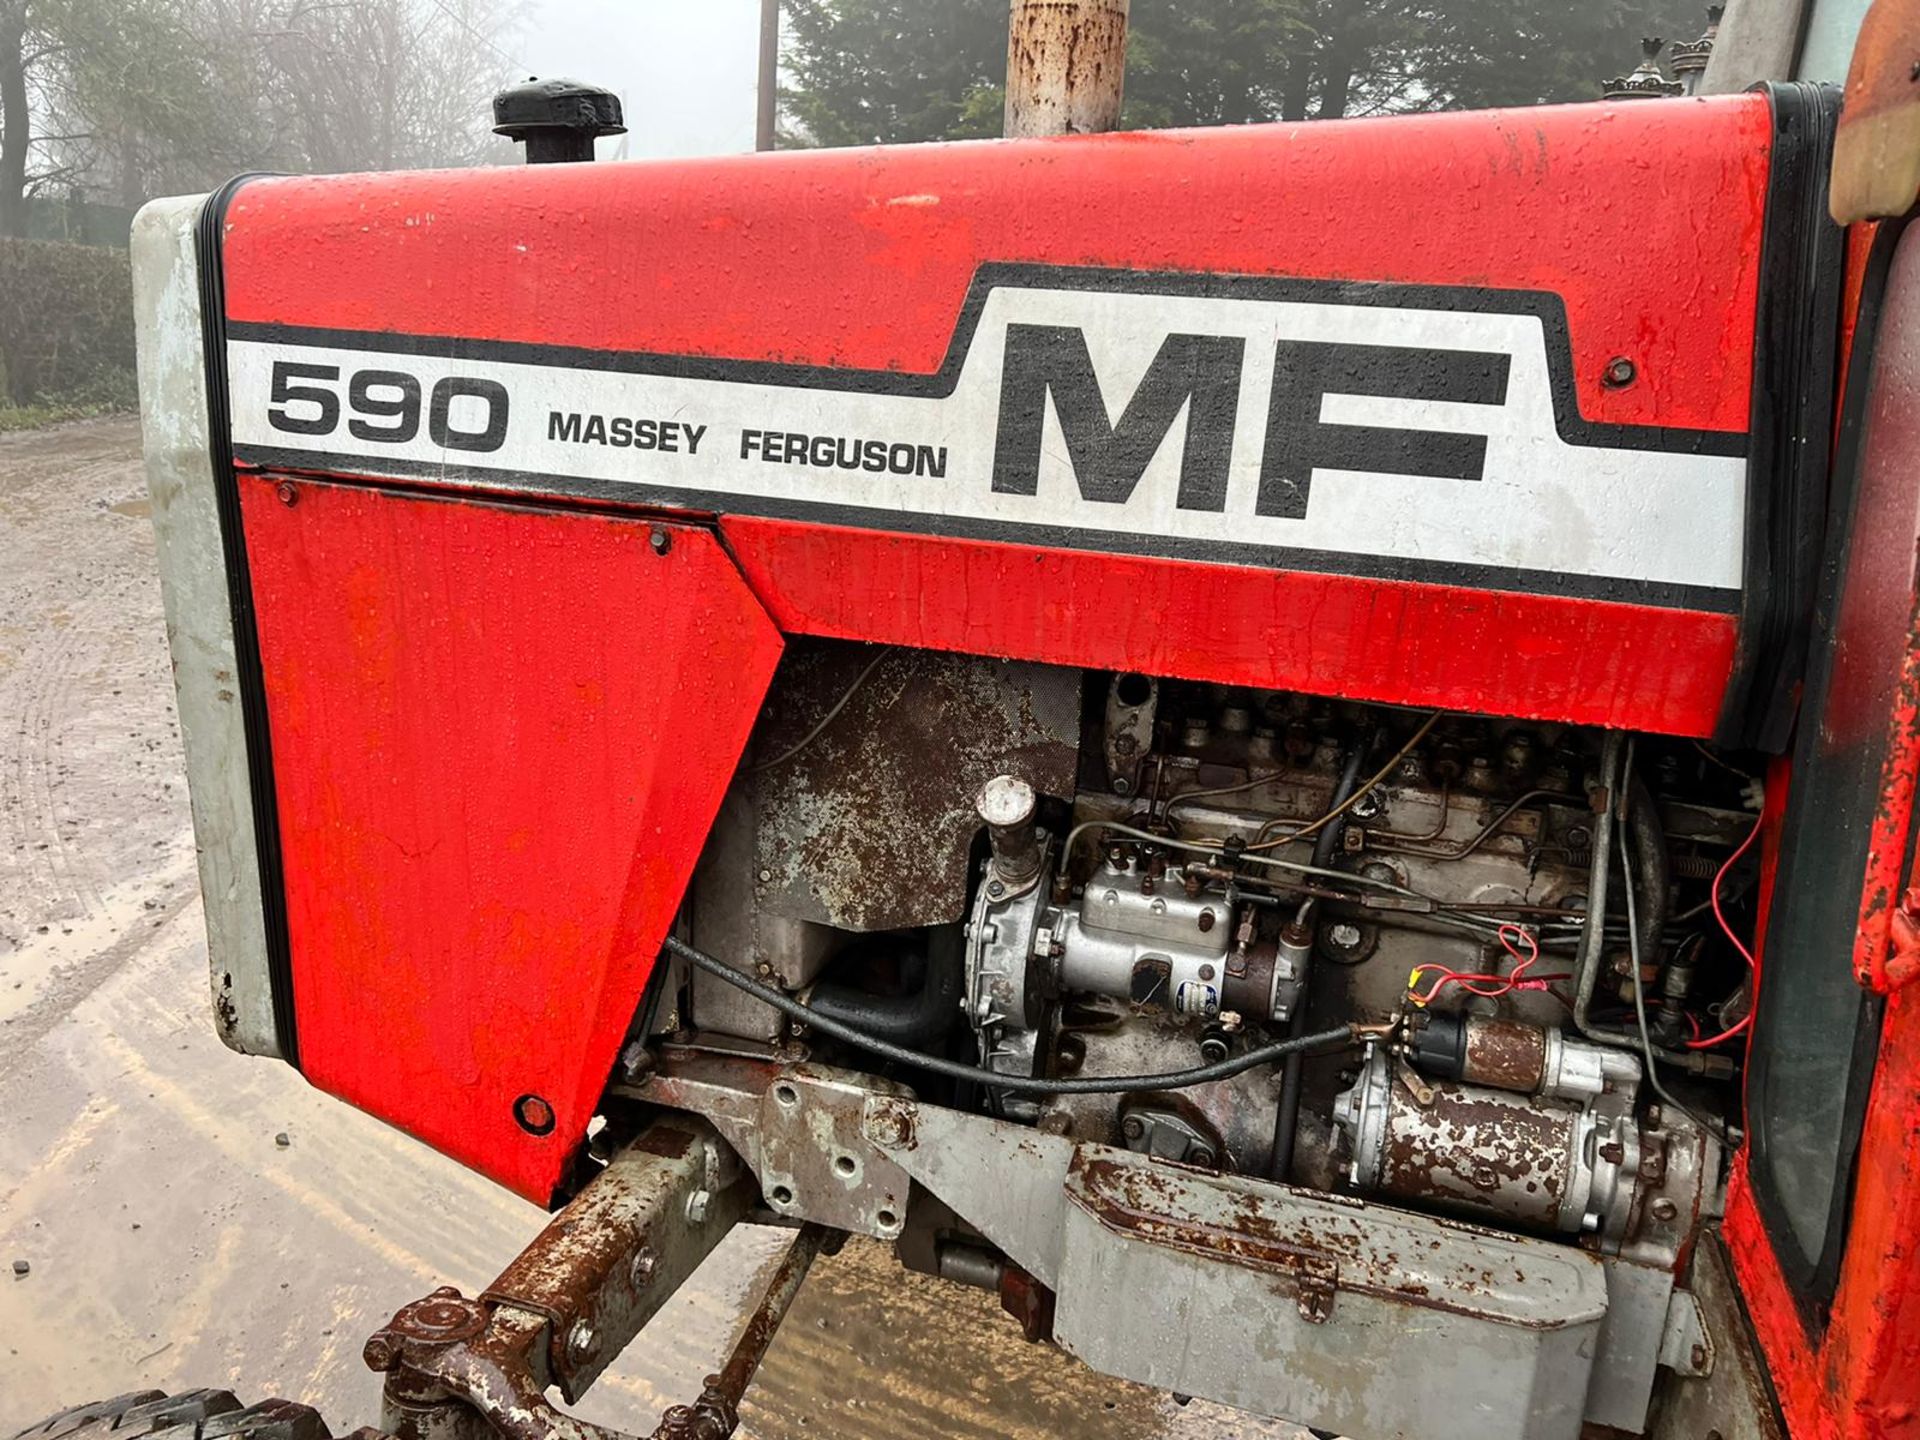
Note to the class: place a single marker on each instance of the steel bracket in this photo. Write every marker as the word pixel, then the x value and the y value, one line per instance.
pixel 1685 1346
pixel 799 1128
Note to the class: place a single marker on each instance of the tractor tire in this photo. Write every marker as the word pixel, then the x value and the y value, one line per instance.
pixel 190 1415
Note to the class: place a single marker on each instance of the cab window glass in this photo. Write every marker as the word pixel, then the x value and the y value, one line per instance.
pixel 1815 1032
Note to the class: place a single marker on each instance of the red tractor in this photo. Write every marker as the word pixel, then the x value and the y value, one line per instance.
pixel 1294 746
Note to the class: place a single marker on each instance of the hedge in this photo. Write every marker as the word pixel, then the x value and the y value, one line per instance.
pixel 66 321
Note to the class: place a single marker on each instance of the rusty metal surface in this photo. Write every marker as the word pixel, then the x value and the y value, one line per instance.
pixel 460 1369
pixel 800 1129
pixel 1066 66
pixel 607 1262
pixel 1876 151
pixel 716 1414
pixel 870 825
pixel 1483 1152
pixel 1505 1055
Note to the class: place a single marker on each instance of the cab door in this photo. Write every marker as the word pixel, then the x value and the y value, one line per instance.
pixel 1823 1216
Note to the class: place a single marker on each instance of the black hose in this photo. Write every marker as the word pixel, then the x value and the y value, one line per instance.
pixel 1649 873
pixel 1292 1079
pixel 1026 1085
pixel 920 1016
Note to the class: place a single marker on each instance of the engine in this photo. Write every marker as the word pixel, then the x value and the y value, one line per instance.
pixel 1127 877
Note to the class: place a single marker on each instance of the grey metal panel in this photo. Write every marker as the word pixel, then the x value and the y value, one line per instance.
pixel 1758 40
pixel 1348 1317
pixel 1733 1401
pixel 1623 1374
pixel 1316 1308
pixel 1004 1180
pixel 870 824
pixel 193 577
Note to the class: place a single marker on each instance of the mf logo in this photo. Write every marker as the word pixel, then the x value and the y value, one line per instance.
pixel 1201 374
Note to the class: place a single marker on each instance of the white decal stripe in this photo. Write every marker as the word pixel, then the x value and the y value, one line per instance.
pixel 1643 516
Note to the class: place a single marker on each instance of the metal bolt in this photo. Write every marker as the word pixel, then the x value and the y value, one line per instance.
pixel 1133 1127
pixel 1206 921
pixel 661 542
pixel 995 889
pixel 1664 1209
pixel 1620 372
pixel 697 1206
pixel 645 1262
pixel 763 970
pixel 580 1341
pixel 288 495
pixel 765 876
pixel 1699 1357
pixel 380 1352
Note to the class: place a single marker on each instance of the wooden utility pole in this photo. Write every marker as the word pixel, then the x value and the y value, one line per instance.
pixel 1066 66
pixel 768 96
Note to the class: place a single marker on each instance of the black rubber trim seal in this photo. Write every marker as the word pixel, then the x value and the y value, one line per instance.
pixel 1813 1279
pixel 1796 339
pixel 246 638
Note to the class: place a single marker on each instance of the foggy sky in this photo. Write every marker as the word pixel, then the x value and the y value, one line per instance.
pixel 684 69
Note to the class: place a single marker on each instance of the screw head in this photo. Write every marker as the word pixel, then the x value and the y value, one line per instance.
pixel 1664 1209
pixel 1133 1127
pixel 534 1115
pixel 288 495
pixel 580 1341
pixel 1620 372
pixel 661 542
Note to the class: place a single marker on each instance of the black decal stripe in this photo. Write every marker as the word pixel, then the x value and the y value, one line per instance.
pixel 521 484
pixel 246 638
pixel 1573 427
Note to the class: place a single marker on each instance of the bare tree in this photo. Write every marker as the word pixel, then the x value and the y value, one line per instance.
pixel 124 99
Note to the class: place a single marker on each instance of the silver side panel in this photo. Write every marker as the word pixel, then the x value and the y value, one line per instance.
pixel 193 575
pixel 1331 1312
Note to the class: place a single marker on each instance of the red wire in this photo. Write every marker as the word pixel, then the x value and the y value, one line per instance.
pixel 1745 1021
pixel 1472 981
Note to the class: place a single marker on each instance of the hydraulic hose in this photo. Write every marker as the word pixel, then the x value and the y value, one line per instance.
pixel 917 1018
pixel 1023 1084
pixel 1648 875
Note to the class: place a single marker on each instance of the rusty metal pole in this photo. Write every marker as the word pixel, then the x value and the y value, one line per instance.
pixel 768 94
pixel 1066 66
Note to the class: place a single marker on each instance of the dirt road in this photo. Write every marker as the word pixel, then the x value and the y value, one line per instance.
pixel 171 1241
